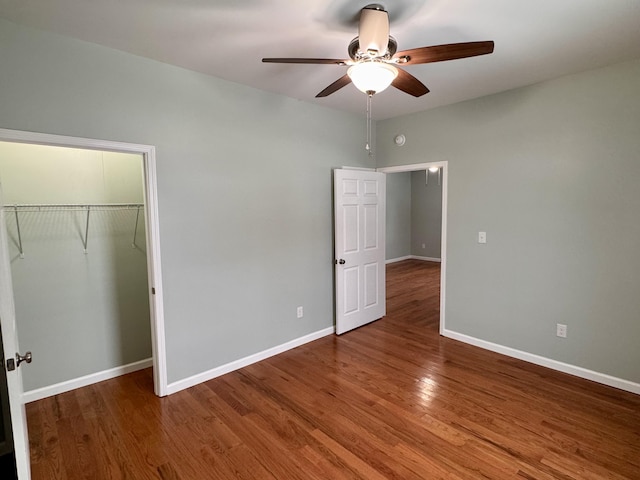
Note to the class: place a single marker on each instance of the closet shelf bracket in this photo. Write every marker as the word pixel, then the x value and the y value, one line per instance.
pixel 19 234
pixel 86 230
pixel 135 230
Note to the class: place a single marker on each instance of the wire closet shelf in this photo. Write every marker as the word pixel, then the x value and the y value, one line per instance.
pixel 73 207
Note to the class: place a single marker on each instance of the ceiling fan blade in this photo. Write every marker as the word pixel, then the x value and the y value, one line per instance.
pixel 321 61
pixel 440 53
pixel 335 86
pixel 409 84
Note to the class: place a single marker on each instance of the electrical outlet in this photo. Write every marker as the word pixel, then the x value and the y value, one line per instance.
pixel 300 312
pixel 423 245
pixel 561 330
pixel 482 237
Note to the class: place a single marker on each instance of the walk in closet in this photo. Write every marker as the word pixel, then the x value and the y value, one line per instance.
pixel 75 221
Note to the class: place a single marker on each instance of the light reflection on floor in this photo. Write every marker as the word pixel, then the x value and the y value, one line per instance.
pixel 427 389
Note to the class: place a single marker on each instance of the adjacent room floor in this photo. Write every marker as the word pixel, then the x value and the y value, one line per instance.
pixel 391 400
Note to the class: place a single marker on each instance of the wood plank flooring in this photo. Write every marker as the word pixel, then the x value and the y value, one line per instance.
pixel 391 400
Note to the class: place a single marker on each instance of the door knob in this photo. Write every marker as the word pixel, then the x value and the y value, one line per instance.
pixel 26 358
pixel 341 261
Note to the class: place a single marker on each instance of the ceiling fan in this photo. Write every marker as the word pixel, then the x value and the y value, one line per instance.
pixel 374 62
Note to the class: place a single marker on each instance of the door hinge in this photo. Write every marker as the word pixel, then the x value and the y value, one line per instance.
pixel 153 290
pixel 11 364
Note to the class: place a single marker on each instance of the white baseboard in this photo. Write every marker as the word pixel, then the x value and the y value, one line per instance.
pixel 243 362
pixel 398 259
pixel 51 390
pixel 426 259
pixel 412 257
pixel 547 362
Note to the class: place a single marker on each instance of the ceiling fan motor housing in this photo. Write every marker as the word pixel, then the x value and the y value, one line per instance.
pixel 373 32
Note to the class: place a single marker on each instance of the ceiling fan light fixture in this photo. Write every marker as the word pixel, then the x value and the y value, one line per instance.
pixel 372 76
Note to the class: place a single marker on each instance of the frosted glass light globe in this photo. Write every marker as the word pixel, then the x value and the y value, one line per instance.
pixel 372 76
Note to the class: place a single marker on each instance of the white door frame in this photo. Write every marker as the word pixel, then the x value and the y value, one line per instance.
pixel 443 241
pixel 154 271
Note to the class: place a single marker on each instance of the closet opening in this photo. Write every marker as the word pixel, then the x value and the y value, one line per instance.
pixel 75 220
pixel 60 245
pixel 83 240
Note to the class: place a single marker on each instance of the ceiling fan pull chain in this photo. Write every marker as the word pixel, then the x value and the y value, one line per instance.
pixel 368 144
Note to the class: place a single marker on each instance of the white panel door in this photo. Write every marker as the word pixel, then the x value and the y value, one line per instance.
pixel 10 346
pixel 359 204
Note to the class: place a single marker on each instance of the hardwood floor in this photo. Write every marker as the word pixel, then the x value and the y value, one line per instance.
pixel 391 400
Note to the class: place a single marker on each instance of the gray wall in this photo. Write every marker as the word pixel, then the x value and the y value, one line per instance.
pixel 398 240
pixel 244 185
pixel 414 215
pixel 426 214
pixel 551 173
pixel 78 313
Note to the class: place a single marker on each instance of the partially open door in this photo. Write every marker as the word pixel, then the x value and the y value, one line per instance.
pixel 359 205
pixel 12 362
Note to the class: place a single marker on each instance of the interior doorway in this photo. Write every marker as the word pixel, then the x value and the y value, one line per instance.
pixel 420 248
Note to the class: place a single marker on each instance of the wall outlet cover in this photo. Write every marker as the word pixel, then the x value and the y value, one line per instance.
pixel 561 330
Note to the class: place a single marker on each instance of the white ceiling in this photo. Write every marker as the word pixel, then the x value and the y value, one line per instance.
pixel 535 40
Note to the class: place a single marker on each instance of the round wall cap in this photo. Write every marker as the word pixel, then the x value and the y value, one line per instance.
pixel 400 140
